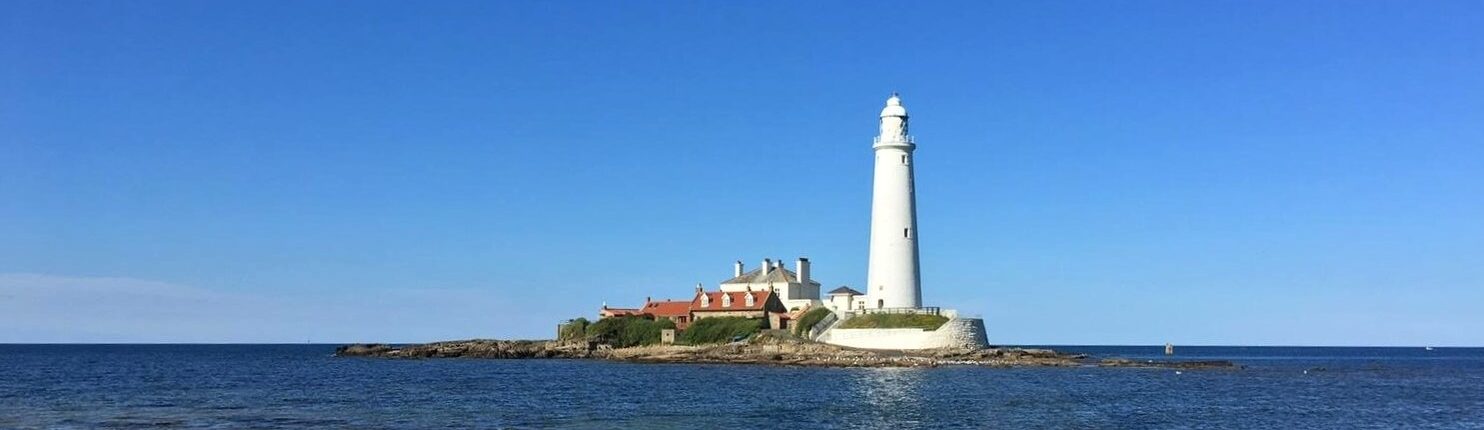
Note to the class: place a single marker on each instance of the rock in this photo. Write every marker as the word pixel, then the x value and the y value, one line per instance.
pixel 362 350
pixel 478 348
pixel 1169 364
pixel 764 348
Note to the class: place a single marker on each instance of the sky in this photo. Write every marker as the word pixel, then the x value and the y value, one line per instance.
pixel 1142 172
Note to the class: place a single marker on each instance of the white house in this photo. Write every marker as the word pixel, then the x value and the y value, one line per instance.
pixel 795 289
pixel 844 299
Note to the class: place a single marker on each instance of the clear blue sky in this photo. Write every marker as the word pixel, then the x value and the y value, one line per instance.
pixel 1090 172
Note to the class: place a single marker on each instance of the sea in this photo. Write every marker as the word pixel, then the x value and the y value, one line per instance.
pixel 304 386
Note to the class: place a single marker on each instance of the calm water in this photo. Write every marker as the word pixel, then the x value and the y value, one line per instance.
pixel 301 386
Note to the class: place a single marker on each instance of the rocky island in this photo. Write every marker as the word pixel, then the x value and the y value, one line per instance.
pixel 777 316
pixel 765 348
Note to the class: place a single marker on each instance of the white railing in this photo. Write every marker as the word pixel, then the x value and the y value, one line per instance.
pixel 822 326
pixel 895 139
pixel 928 310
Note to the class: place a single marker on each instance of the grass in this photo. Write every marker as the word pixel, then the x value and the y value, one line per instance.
pixel 809 319
pixel 621 332
pixel 573 330
pixel 922 321
pixel 721 330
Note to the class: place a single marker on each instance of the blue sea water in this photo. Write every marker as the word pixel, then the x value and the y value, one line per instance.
pixel 302 386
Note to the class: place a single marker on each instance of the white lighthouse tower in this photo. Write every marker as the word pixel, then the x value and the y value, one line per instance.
pixel 892 278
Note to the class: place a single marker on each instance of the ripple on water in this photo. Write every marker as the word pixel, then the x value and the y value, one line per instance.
pixel 300 386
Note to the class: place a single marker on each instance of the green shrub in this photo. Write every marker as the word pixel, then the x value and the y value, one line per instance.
pixel 922 321
pixel 622 332
pixel 807 322
pixel 573 329
pixel 721 329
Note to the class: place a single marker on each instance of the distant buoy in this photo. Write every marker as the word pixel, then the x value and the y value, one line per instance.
pixel 1169 349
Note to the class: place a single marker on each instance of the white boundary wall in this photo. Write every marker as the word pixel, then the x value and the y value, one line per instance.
pixel 956 333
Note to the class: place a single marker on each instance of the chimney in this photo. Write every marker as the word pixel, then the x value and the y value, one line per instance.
pixel 767 266
pixel 778 264
pixel 648 299
pixel 803 269
pixel 737 269
pixel 698 288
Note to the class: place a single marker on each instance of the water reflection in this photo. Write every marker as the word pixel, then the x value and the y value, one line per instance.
pixel 301 386
pixel 893 394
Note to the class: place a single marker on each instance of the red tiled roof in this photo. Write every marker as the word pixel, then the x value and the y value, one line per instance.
pixel 739 301
pixel 617 312
pixel 667 308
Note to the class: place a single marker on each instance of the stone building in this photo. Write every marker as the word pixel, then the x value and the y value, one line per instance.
pixel 746 304
pixel 673 310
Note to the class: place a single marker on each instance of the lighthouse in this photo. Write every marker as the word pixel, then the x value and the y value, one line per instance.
pixel 892 277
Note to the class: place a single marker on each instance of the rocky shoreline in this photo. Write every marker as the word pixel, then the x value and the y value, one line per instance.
pixel 764 349
pixel 1169 364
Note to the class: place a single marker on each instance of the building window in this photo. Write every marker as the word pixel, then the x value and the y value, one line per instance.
pixel 907 232
pixel 904 159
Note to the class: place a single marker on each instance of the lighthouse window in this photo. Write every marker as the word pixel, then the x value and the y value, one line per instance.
pixel 904 160
pixel 907 233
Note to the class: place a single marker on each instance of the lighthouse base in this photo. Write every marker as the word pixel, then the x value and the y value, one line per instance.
pixel 964 333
